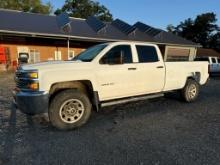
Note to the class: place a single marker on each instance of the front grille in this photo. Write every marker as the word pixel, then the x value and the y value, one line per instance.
pixel 22 80
pixel 20 74
pixel 22 83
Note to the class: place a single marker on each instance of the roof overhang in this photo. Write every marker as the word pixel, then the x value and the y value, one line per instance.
pixel 81 38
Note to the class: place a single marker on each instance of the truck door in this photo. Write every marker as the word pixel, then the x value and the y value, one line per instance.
pixel 150 69
pixel 116 73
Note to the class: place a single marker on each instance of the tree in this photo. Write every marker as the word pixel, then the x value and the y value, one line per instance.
pixel 84 9
pixel 203 29
pixel 170 28
pixel 214 42
pixel 32 6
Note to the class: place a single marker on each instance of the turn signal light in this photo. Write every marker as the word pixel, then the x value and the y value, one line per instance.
pixel 34 86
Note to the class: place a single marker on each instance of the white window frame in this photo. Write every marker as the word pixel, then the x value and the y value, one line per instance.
pixel 57 55
pixel 34 56
pixel 71 54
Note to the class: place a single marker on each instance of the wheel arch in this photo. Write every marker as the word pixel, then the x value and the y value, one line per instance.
pixel 84 86
pixel 194 76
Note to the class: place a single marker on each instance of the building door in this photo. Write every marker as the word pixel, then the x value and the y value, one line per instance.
pixel 7 54
pixel 58 55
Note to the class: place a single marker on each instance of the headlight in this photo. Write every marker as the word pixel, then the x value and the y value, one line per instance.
pixel 32 75
pixel 27 80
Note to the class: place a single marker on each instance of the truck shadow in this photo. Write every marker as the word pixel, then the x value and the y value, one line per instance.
pixel 9 138
pixel 110 115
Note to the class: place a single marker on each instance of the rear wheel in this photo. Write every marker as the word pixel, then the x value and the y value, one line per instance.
pixel 69 109
pixel 191 91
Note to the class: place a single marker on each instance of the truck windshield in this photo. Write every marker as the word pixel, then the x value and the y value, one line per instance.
pixel 89 54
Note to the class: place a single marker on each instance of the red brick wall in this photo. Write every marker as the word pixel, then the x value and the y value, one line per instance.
pixel 46 52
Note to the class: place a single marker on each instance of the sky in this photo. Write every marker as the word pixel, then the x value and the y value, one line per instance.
pixel 157 13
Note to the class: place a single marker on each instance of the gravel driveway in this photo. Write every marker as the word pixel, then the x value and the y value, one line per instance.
pixel 158 131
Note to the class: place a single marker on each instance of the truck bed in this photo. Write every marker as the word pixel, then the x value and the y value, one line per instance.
pixel 176 73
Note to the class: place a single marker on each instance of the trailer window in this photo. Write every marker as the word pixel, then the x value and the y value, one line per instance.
pixel 177 54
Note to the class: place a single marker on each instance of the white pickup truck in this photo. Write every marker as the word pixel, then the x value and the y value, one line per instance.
pixel 103 75
pixel 214 64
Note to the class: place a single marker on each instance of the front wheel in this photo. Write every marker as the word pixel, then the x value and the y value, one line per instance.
pixel 69 109
pixel 191 91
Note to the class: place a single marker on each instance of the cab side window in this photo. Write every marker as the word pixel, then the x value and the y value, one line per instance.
pixel 118 55
pixel 147 54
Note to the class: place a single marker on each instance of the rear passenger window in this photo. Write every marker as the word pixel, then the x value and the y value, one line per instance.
pixel 147 54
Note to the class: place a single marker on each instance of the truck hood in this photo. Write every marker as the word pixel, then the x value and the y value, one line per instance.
pixel 55 65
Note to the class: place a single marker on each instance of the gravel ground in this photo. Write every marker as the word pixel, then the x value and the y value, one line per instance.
pixel 158 131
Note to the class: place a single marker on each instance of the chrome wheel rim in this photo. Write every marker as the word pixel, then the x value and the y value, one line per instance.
pixel 71 111
pixel 192 91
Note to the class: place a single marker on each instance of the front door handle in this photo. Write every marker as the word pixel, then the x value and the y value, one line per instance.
pixel 132 68
pixel 160 67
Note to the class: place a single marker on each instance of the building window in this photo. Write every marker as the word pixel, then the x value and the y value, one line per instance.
pixel 58 55
pixel 71 54
pixel 34 56
pixel 178 54
pixel 147 54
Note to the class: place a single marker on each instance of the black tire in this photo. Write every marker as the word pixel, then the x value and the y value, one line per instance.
pixel 191 91
pixel 55 110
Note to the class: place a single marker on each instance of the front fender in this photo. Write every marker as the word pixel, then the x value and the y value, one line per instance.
pixel 47 79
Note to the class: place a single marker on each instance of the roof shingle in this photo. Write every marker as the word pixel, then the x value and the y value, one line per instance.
pixel 45 25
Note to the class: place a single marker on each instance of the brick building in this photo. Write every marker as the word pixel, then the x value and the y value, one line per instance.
pixel 39 36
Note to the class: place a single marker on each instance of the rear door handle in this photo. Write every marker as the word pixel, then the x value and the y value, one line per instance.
pixel 132 68
pixel 160 67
